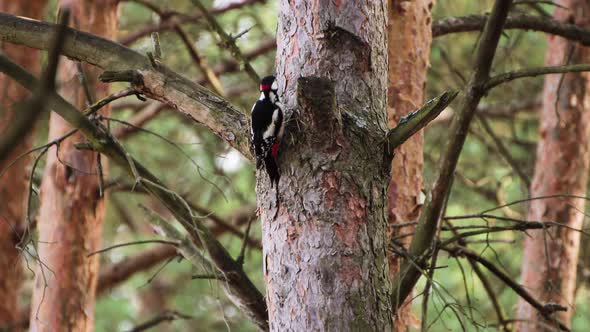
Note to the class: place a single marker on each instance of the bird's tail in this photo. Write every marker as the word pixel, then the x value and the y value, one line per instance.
pixel 272 169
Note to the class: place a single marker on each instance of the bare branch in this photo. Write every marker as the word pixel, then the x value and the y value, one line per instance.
pixel 532 72
pixel 228 41
pixel 167 316
pixel 417 120
pixel 167 22
pixel 127 244
pixel 428 222
pixel 24 123
pixel 242 290
pixel 526 22
pixel 115 274
pixel 161 83
pixel 545 309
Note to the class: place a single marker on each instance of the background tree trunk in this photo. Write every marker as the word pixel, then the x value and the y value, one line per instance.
pixel 562 166
pixel 325 261
pixel 409 38
pixel 14 183
pixel 71 212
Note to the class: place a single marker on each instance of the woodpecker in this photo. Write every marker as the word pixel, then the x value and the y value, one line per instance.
pixel 267 128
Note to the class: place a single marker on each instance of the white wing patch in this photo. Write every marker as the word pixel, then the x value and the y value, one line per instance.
pixel 270 131
pixel 274 86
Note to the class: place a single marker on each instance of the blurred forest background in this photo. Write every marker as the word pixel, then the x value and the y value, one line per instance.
pixel 219 183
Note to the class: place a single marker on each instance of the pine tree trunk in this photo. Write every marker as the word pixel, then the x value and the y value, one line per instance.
pixel 72 212
pixel 563 160
pixel 409 38
pixel 14 182
pixel 325 258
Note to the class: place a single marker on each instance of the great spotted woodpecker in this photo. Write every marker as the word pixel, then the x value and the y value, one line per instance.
pixel 267 128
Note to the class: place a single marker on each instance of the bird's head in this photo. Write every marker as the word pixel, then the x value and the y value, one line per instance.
pixel 269 89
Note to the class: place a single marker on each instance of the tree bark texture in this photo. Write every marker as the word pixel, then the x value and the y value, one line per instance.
pixel 409 38
pixel 563 161
pixel 14 182
pixel 324 240
pixel 72 211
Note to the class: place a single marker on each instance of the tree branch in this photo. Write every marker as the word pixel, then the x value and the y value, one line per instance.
pixel 167 22
pixel 532 72
pixel 161 83
pixel 24 123
pixel 166 316
pixel 228 41
pixel 240 288
pixel 526 22
pixel 428 222
pixel 545 309
pixel 417 120
pixel 115 274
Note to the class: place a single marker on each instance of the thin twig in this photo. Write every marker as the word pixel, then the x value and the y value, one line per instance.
pixel 544 310
pixel 167 316
pixel 532 72
pixel 133 243
pixel 227 41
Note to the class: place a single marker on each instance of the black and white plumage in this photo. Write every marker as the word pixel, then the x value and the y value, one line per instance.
pixel 267 128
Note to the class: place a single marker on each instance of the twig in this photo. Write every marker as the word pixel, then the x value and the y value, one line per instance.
pixel 168 23
pixel 504 152
pixel 484 280
pixel 544 310
pixel 139 119
pixel 172 243
pixel 167 316
pixel 240 259
pixel 228 42
pixel 208 73
pixel 532 72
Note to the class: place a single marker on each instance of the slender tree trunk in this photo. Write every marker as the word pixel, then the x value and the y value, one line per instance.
pixel 325 260
pixel 563 160
pixel 71 212
pixel 14 183
pixel 409 38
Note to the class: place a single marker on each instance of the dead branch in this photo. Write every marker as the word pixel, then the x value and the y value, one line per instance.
pixel 428 222
pixel 545 309
pixel 243 292
pixel 160 83
pixel 526 22
pixel 171 19
pixel 228 42
pixel 413 122
pixel 113 275
pixel 166 316
pixel 25 122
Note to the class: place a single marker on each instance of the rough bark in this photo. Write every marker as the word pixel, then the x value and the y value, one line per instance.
pixel 563 161
pixel 71 212
pixel 324 242
pixel 409 38
pixel 14 183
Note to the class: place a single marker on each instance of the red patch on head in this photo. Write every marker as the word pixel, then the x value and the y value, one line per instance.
pixel 275 150
pixel 265 87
